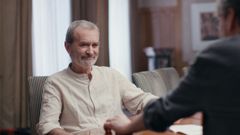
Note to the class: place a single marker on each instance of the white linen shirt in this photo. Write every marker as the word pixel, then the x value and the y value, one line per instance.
pixel 81 106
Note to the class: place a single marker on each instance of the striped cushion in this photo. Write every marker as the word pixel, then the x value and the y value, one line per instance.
pixel 35 94
pixel 157 82
pixel 170 77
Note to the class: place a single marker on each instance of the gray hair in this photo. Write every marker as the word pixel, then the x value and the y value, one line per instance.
pixel 234 4
pixel 78 23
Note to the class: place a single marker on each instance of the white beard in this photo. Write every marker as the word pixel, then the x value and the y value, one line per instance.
pixel 88 63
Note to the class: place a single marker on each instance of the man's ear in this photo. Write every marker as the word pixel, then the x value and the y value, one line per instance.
pixel 231 20
pixel 67 47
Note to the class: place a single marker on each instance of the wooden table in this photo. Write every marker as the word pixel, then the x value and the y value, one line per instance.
pixel 196 119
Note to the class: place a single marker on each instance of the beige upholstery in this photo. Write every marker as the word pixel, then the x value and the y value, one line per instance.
pixel 157 82
pixel 170 77
pixel 35 98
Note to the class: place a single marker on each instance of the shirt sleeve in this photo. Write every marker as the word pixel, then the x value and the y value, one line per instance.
pixel 50 109
pixel 193 94
pixel 133 98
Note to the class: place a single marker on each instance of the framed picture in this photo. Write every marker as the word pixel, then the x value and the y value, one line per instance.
pixel 205 25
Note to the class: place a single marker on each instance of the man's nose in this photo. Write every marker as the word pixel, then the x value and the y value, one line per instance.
pixel 90 50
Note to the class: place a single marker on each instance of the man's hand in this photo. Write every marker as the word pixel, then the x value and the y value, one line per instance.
pixel 120 124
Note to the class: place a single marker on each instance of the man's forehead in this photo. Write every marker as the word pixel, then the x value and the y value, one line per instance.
pixel 86 35
pixel 80 30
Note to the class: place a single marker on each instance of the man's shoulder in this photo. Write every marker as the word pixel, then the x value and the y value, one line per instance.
pixel 226 44
pixel 104 69
pixel 109 71
pixel 57 75
pixel 224 52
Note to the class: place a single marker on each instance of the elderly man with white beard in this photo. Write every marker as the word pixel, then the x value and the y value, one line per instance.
pixel 79 99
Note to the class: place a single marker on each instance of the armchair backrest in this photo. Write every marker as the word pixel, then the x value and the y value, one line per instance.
pixel 35 98
pixel 170 77
pixel 158 82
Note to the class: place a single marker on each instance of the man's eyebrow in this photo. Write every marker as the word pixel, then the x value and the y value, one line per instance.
pixel 86 42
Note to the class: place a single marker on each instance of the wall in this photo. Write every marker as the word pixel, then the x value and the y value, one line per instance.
pixel 155 23
pixel 147 29
pixel 188 53
pixel 156 3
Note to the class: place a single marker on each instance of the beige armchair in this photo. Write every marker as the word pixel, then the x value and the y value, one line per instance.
pixel 157 82
pixel 35 99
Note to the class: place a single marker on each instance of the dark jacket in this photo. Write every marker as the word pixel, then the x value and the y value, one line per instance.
pixel 212 86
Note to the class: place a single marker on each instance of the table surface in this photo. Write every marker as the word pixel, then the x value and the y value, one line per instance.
pixel 194 122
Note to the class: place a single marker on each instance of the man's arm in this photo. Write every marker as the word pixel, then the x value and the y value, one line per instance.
pixel 50 109
pixel 134 99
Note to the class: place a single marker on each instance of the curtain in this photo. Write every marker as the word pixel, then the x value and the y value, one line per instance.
pixel 50 21
pixel 119 36
pixel 95 11
pixel 15 54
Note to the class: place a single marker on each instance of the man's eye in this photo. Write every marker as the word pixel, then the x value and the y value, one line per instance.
pixel 83 44
pixel 95 44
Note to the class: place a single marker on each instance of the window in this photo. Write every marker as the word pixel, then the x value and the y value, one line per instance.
pixel 50 21
pixel 119 36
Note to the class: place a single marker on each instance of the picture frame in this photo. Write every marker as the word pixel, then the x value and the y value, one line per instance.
pixel 204 25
